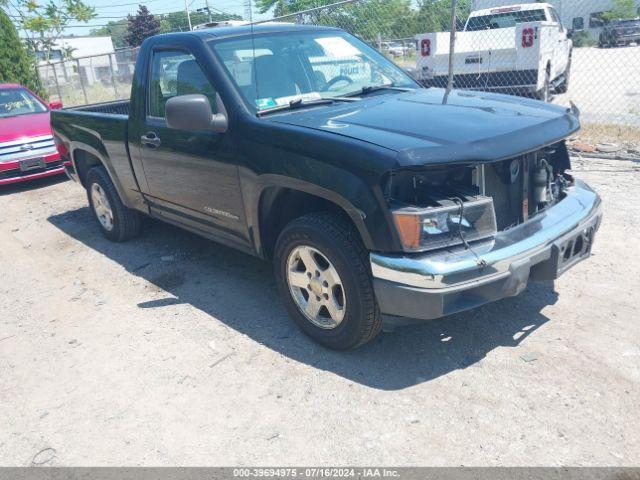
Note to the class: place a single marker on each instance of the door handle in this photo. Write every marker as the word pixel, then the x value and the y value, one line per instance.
pixel 151 140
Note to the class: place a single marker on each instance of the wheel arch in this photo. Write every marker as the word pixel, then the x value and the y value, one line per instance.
pixel 279 203
pixel 85 157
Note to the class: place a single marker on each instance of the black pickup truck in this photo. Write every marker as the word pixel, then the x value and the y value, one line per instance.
pixel 375 198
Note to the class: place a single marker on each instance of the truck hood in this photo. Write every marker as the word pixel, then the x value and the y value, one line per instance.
pixel 424 129
pixel 23 126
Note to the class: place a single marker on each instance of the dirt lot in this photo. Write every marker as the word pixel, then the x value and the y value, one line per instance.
pixel 171 350
pixel 604 85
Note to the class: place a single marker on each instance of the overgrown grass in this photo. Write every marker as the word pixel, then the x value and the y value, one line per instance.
pixel 73 95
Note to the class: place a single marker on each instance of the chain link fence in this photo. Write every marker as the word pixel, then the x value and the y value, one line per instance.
pixel 93 79
pixel 528 51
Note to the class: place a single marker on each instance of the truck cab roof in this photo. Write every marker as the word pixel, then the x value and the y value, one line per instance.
pixel 510 8
pixel 255 29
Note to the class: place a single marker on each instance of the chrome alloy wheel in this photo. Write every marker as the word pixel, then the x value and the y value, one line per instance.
pixel 316 287
pixel 102 207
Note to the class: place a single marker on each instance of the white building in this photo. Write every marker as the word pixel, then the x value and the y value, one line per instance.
pixel 91 57
pixel 576 15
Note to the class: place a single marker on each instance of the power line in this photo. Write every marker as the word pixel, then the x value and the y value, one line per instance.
pixel 152 12
pixel 139 3
pixel 120 17
pixel 129 4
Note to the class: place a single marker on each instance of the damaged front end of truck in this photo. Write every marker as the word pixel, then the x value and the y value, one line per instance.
pixel 442 205
pixel 474 232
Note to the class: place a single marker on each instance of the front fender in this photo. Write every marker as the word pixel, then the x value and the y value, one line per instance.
pixel 361 206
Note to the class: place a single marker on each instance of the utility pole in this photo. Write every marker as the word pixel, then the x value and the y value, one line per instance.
pixel 186 9
pixel 207 9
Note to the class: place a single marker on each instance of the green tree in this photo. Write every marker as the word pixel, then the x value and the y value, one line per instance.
pixel 283 7
pixel 385 19
pixel 44 24
pixel 141 26
pixel 368 19
pixel 177 21
pixel 435 15
pixel 621 9
pixel 116 30
pixel 16 65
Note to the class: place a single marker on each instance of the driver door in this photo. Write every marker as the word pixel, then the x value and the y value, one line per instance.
pixel 192 176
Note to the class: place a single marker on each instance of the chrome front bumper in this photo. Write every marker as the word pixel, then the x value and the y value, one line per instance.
pixel 431 285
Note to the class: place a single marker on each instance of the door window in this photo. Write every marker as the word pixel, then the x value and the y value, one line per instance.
pixel 173 73
pixel 596 20
pixel 578 24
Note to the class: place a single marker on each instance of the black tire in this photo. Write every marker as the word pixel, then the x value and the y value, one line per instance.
pixel 544 93
pixel 336 239
pixel 564 86
pixel 126 222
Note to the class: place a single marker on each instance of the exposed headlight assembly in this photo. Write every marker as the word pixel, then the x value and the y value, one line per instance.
pixel 423 229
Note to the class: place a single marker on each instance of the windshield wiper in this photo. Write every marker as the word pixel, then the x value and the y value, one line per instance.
pixel 300 103
pixel 374 88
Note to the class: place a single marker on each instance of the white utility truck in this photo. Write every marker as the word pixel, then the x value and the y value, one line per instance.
pixel 518 49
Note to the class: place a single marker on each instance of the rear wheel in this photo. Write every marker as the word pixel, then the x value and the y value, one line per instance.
pixel 564 86
pixel 322 272
pixel 115 220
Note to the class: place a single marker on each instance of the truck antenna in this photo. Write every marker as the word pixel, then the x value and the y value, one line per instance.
pixel 249 9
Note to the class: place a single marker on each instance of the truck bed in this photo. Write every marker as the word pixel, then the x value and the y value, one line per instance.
pixel 119 107
pixel 102 130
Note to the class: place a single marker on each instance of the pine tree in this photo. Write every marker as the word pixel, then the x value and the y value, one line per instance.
pixel 141 26
pixel 15 64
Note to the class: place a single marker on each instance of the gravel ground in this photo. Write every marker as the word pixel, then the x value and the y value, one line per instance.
pixel 172 350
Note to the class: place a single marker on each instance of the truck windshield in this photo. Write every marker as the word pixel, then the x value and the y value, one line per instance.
pixel 278 69
pixel 18 101
pixel 504 19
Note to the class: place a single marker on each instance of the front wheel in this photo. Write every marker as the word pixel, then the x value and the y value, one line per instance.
pixel 116 221
pixel 544 93
pixel 323 275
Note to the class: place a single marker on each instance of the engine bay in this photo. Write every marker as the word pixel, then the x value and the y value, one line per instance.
pixel 519 187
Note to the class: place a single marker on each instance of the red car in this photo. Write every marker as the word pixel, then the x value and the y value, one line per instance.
pixel 27 148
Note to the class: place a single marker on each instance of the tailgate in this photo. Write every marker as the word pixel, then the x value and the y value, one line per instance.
pixel 479 52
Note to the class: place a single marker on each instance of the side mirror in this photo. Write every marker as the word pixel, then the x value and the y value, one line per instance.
pixel 55 105
pixel 193 112
pixel 569 33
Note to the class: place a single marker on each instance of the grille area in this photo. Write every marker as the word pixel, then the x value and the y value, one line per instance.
pixel 505 183
pixel 27 148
